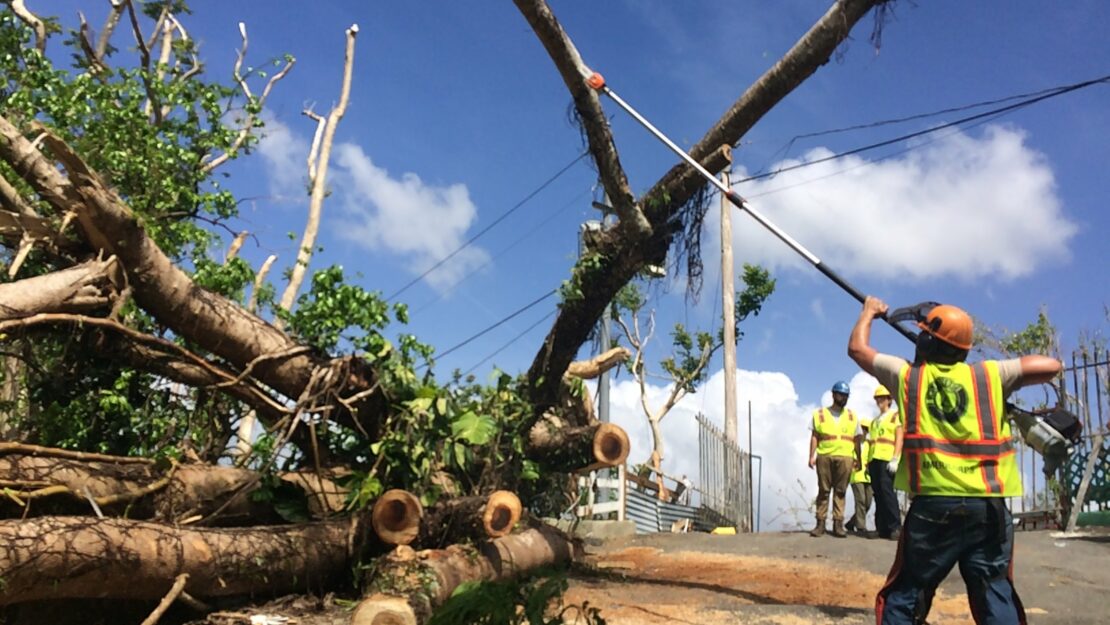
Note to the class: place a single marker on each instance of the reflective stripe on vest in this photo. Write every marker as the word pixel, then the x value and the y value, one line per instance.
pixel 956 439
pixel 883 429
pixel 835 437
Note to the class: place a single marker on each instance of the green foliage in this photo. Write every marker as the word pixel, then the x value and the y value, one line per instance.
pixel 588 266
pixel 1039 337
pixel 533 601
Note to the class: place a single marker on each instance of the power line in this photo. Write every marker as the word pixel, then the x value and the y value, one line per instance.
pixel 511 341
pixel 440 294
pixel 499 323
pixel 501 218
pixel 1052 93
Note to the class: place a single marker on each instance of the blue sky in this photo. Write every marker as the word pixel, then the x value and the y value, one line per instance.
pixel 456 114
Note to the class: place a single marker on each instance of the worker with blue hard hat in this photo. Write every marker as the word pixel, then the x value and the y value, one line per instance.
pixel 834 451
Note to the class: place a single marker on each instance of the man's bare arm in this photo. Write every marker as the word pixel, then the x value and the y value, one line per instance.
pixel 859 343
pixel 1037 369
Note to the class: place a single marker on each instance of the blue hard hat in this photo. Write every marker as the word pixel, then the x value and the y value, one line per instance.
pixel 842 388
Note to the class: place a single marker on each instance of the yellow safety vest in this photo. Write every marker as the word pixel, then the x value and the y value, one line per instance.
pixel 957 442
pixel 882 436
pixel 835 437
pixel 861 475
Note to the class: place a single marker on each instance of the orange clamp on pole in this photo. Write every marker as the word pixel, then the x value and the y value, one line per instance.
pixel 596 81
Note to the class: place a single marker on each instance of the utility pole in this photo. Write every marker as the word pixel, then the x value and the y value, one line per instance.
pixel 728 307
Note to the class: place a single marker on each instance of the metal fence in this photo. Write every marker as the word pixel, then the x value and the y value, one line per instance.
pixel 725 477
pixel 1085 391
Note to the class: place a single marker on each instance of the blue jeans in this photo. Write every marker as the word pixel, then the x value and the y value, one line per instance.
pixel 940 532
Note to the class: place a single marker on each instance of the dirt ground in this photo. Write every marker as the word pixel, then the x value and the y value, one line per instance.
pixel 793 579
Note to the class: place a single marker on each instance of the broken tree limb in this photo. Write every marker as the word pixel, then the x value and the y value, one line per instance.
pixel 559 445
pixel 82 557
pixel 407 586
pixel 83 288
pixel 622 259
pixel 588 106
pixel 469 519
pixel 213 322
pixel 171 596
pixel 395 517
pixel 592 368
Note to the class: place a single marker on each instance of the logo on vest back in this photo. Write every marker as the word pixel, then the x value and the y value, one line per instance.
pixel 946 400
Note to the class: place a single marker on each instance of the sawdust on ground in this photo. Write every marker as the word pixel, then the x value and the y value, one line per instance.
pixel 646 586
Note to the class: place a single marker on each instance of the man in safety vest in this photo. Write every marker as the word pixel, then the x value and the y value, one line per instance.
pixel 833 451
pixel 886 449
pixel 861 482
pixel 958 462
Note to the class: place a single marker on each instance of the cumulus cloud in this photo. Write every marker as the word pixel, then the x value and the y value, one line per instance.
pixel 406 216
pixel 284 152
pixel 962 206
pixel 780 429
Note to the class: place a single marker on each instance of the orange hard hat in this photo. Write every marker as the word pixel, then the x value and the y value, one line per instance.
pixel 949 324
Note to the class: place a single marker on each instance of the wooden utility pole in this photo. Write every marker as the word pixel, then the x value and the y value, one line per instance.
pixel 728 306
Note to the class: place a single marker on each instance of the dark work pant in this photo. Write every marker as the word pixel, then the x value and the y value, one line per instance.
pixel 887 516
pixel 941 532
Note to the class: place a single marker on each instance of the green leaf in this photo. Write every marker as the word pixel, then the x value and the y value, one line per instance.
pixel 475 429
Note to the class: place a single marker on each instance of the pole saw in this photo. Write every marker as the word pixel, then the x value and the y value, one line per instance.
pixel 1051 433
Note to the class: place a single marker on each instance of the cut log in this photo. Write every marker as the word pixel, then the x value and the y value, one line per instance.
pixel 396 517
pixel 61 485
pixel 592 368
pixel 469 519
pixel 559 445
pixel 78 557
pixel 407 586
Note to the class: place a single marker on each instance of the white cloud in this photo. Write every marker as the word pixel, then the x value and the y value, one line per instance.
pixel 284 153
pixel 420 222
pixel 963 206
pixel 817 307
pixel 780 429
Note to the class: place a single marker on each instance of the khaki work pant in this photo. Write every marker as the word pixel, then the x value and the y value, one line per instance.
pixel 861 493
pixel 833 473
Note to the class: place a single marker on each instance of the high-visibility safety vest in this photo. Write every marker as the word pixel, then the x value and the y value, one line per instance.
pixel 861 475
pixel 882 436
pixel 957 441
pixel 835 437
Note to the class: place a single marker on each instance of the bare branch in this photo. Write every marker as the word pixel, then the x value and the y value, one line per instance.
pixel 252 117
pixel 319 190
pixel 316 137
pixel 259 280
pixel 110 24
pixel 233 249
pixel 83 288
pixel 19 7
pixel 11 200
pixel 574 73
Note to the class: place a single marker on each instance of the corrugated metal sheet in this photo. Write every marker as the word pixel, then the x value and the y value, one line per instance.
pixel 652 515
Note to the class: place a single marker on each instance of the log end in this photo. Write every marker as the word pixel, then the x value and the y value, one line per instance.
pixel 381 609
pixel 396 517
pixel 501 513
pixel 611 445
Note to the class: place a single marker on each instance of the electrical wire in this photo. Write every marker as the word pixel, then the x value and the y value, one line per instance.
pixel 1052 93
pixel 499 323
pixel 441 294
pixel 499 219
pixel 510 342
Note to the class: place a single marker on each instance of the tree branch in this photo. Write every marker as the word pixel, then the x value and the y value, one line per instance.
pixel 110 24
pixel 319 190
pixel 574 73
pixel 83 288
pixel 19 7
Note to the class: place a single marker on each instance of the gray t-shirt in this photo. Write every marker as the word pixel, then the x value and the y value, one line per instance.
pixel 888 367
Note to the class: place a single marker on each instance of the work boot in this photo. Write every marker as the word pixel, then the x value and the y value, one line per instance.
pixel 818 531
pixel 850 525
pixel 838 529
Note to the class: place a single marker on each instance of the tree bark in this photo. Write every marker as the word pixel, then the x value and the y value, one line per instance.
pixel 557 444
pixel 75 557
pixel 407 586
pixel 83 288
pixel 466 519
pixel 622 257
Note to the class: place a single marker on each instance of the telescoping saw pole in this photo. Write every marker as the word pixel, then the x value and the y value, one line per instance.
pixel 597 82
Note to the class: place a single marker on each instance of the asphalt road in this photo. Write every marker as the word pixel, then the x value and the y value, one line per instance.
pixel 793 579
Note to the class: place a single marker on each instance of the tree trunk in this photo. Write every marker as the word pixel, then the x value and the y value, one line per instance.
pixel 466 519
pixel 407 586
pixel 559 445
pixel 74 557
pixel 80 289
pixel 53 485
